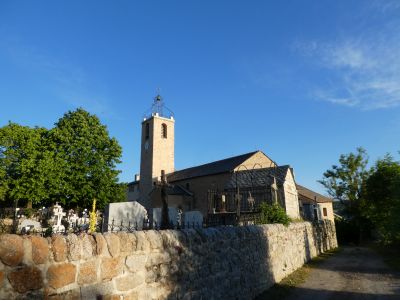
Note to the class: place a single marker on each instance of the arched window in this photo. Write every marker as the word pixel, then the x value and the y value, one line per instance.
pixel 164 131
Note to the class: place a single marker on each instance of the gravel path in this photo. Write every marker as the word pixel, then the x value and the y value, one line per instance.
pixel 353 273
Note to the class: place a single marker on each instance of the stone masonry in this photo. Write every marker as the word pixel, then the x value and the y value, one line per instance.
pixel 212 263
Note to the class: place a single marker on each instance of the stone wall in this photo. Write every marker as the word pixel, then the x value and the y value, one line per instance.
pixel 213 263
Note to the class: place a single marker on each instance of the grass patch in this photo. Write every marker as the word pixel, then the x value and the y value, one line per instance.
pixel 282 289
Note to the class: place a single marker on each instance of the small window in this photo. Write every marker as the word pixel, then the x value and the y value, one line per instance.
pixel 325 212
pixel 164 131
pixel 187 185
pixel 147 131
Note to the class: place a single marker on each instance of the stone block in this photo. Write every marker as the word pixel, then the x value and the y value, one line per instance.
pixel 136 263
pixel 155 239
pixel 11 249
pixel 152 275
pixel 59 247
pixel 74 294
pixel 127 242
pixel 132 296
pixel 128 282
pixel 150 292
pixel 101 244
pixel 142 243
pixel 61 275
pixel 40 250
pixel 110 268
pixel 96 291
pixel 157 259
pixel 112 243
pixel 88 246
pixel 87 273
pixel 165 270
pixel 26 279
pixel 74 247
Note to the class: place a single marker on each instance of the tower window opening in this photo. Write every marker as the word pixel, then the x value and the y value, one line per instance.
pixel 164 131
pixel 147 133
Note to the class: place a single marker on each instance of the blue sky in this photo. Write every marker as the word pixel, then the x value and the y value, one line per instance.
pixel 303 81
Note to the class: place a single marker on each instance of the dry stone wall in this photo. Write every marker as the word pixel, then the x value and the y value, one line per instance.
pixel 212 263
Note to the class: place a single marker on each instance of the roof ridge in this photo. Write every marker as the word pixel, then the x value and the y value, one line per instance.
pixel 216 161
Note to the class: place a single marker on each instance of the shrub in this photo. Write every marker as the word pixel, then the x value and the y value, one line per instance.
pixel 273 214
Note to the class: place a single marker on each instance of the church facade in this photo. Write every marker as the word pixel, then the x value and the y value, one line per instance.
pixel 239 183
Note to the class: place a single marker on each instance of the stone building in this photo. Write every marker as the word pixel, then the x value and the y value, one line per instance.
pixel 211 188
pixel 314 206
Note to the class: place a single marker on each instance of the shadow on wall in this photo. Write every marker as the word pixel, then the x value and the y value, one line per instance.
pixel 216 263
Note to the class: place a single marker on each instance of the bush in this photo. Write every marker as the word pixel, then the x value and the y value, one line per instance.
pixel 273 214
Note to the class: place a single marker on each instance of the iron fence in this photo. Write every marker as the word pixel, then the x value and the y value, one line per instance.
pixel 248 199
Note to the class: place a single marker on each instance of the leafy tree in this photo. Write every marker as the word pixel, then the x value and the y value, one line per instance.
pixel 3 181
pixel 382 195
pixel 25 164
pixel 88 157
pixel 345 183
pixel 273 214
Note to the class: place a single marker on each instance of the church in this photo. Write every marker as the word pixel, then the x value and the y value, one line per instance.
pixel 219 190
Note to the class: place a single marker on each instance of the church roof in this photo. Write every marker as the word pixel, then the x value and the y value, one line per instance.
pixel 308 196
pixel 216 167
pixel 178 190
pixel 258 177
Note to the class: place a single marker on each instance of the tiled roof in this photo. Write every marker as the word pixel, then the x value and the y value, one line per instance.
pixel 173 189
pixel 216 167
pixel 308 196
pixel 257 177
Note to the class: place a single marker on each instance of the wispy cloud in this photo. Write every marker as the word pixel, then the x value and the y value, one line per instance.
pixel 362 71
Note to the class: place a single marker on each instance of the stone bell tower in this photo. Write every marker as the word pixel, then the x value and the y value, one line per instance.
pixel 157 148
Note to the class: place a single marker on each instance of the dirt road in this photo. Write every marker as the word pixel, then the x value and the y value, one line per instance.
pixel 353 273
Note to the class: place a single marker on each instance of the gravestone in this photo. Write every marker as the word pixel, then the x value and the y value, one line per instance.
pixel 57 215
pixel 172 216
pixel 193 218
pixel 131 214
pixel 28 225
pixel 72 219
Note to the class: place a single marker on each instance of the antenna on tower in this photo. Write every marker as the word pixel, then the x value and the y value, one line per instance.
pixel 158 108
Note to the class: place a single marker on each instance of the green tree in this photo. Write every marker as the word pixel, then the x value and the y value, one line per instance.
pixel 345 182
pixel 25 164
pixel 382 196
pixel 3 181
pixel 88 158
